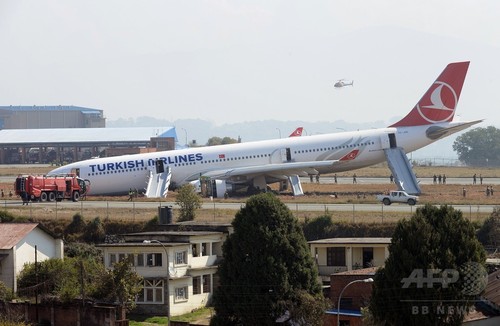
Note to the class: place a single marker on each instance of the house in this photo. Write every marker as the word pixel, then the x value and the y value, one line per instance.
pixel 178 267
pixel 354 289
pixel 22 243
pixel 336 255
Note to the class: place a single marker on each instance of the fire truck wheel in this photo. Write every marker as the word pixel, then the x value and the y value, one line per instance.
pixel 52 196
pixel 43 196
pixel 76 196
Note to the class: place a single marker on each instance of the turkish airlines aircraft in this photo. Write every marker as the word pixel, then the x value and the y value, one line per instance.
pixel 259 163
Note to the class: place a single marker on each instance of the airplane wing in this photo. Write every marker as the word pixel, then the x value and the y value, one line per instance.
pixel 284 168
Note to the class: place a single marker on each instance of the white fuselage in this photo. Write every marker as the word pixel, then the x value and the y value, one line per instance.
pixel 116 175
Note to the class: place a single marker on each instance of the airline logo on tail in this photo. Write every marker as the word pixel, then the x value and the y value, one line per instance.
pixel 297 132
pixel 440 101
pixel 440 105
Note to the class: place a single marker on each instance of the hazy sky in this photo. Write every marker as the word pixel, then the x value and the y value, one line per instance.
pixel 234 61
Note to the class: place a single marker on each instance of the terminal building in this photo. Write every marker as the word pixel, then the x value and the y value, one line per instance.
pixel 64 134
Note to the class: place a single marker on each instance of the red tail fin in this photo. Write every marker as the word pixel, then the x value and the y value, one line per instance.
pixel 297 132
pixel 440 101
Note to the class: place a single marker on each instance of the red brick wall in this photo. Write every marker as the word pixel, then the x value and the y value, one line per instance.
pixel 359 292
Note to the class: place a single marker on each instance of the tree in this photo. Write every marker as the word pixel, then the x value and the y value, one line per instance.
pixel 94 232
pixel 433 273
pixel 221 141
pixel 189 202
pixel 489 233
pixel 479 147
pixel 5 293
pixel 318 227
pixel 267 268
pixel 62 279
pixel 121 284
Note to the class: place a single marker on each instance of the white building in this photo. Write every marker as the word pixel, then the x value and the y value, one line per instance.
pixel 178 267
pixel 336 255
pixel 17 247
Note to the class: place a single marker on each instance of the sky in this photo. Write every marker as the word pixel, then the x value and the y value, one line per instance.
pixel 235 61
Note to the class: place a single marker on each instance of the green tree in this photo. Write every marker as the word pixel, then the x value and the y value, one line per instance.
pixel 479 147
pixel 64 279
pixel 433 272
pixel 94 232
pixel 5 293
pixel 221 141
pixel 189 201
pixel 489 233
pixel 83 250
pixel 318 228
pixel 267 268
pixel 120 284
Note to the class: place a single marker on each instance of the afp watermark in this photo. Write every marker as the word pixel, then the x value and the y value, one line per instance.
pixel 473 277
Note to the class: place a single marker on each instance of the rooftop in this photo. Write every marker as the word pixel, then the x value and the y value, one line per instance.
pixel 12 233
pixel 352 241
pixel 87 135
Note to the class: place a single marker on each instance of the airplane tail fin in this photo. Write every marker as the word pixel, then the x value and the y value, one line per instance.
pixel 297 132
pixel 440 101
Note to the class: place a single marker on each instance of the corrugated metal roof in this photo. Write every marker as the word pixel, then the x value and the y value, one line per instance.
pixel 49 108
pixel 72 135
pixel 12 233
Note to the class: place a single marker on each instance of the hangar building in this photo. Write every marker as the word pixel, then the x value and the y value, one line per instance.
pixel 63 134
pixel 38 117
pixel 63 145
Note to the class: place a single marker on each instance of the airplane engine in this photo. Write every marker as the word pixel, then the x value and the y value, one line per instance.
pixel 214 188
pixel 220 187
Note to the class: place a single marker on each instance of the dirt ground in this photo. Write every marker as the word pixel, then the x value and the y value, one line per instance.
pixel 315 193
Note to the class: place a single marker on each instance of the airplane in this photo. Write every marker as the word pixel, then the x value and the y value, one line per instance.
pixel 297 132
pixel 342 83
pixel 259 163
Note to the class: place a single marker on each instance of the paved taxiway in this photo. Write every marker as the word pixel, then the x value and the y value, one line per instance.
pixel 138 205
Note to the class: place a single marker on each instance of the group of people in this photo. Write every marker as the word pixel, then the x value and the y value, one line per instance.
pixel 439 179
pixel 3 194
pixel 474 179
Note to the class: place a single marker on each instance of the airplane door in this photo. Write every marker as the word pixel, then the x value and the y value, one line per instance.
pixel 388 141
pixel 286 155
pixel 392 140
pixel 281 155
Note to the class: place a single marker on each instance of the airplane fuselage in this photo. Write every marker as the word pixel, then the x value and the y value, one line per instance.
pixel 116 175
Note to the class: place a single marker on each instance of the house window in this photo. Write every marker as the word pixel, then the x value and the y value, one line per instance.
pixel 205 249
pixel 206 283
pixel 152 292
pixel 181 258
pixel 154 259
pixel 335 256
pixel 197 285
pixel 195 249
pixel 112 259
pixel 140 260
pixel 181 294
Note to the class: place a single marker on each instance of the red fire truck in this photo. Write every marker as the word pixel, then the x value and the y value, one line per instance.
pixel 50 188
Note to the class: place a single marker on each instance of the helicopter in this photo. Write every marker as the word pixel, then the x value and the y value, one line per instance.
pixel 342 83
